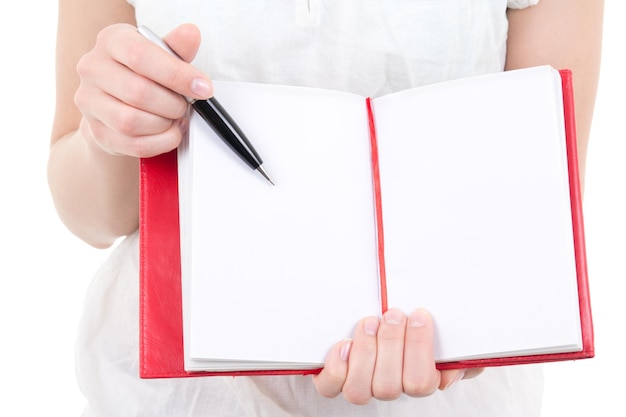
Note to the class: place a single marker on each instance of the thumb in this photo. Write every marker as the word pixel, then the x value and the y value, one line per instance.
pixel 184 40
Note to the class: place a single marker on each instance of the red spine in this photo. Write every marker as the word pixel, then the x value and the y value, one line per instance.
pixel 378 206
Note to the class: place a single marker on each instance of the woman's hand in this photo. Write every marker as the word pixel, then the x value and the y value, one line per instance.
pixel 130 92
pixel 118 98
pixel 385 359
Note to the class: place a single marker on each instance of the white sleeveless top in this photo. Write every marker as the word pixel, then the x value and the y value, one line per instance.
pixel 369 47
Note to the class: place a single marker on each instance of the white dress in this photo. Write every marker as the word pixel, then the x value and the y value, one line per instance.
pixel 369 47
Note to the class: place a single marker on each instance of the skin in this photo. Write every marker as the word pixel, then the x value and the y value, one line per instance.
pixel 115 104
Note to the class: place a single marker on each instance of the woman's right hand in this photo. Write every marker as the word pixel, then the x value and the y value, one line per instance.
pixel 131 90
pixel 118 98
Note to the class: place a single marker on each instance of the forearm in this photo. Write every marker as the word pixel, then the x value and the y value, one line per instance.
pixel 564 34
pixel 96 194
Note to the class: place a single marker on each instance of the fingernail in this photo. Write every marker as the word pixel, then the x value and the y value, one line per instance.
pixel 344 353
pixel 393 316
pixel 418 318
pixel 459 376
pixel 201 87
pixel 370 326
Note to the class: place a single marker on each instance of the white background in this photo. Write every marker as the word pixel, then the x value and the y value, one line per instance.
pixel 44 270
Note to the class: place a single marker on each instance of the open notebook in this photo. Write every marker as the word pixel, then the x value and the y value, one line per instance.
pixel 460 197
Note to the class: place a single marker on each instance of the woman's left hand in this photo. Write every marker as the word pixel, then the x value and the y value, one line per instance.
pixel 385 359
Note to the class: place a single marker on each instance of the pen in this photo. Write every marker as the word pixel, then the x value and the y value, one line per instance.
pixel 216 116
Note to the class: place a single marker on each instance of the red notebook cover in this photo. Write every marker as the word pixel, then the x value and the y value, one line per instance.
pixel 160 327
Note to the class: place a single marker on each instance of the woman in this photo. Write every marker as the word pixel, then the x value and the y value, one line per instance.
pixel 119 99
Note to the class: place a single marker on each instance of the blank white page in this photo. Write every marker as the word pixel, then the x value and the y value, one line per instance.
pixel 280 273
pixel 477 217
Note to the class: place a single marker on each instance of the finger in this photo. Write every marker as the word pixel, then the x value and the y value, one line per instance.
pixel 184 40
pixel 387 382
pixel 115 79
pixel 358 386
pixel 420 376
pixel 330 380
pixel 136 146
pixel 150 60
pixel 135 90
pixel 451 377
pixel 118 116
